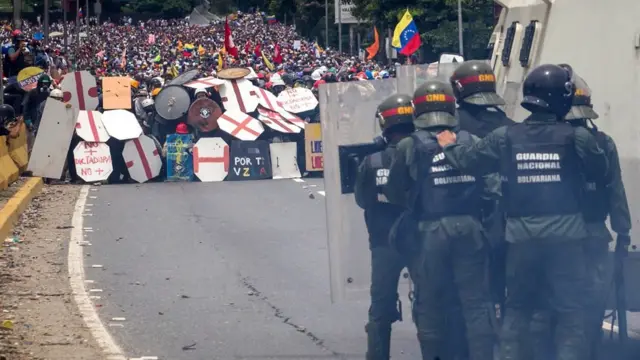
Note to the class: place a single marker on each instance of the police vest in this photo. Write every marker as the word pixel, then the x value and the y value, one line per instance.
pixel 381 215
pixel 596 200
pixel 542 170
pixel 444 190
pixel 480 121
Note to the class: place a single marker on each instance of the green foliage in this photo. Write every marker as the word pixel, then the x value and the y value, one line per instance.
pixel 437 21
pixel 169 8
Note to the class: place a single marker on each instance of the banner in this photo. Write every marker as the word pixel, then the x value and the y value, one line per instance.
pixel 313 147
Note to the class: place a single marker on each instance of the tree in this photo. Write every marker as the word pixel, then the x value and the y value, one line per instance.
pixel 437 21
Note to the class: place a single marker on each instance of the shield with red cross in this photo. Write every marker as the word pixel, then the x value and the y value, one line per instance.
pixel 240 125
pixel 211 159
pixel 267 99
pixel 295 120
pixel 204 83
pixel 142 158
pixel 90 128
pixel 275 121
pixel 80 90
pixel 239 95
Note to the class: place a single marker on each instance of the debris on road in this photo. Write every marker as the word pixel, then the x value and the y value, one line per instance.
pixel 39 319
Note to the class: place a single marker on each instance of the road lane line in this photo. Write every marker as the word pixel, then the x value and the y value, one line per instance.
pixel 298 180
pixel 77 279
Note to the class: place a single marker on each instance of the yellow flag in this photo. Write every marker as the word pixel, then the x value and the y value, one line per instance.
pixel 201 50
pixel 267 63
pixel 220 61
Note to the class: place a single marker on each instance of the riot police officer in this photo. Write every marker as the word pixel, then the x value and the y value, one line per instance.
pixel 395 116
pixel 601 200
pixel 543 161
pixel 447 203
pixel 474 85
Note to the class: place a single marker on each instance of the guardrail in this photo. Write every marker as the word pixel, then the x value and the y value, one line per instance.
pixel 14 155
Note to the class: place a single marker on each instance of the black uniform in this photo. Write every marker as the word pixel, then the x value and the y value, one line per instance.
pixel 543 161
pixel 450 271
pixel 478 113
pixel 395 116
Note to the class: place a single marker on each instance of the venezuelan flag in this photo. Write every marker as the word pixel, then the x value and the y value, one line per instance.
pixel 271 19
pixel 406 37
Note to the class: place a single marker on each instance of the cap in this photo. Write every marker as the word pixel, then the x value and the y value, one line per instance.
pixel 201 91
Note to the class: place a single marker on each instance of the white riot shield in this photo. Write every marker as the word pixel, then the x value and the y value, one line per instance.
pixel 348 118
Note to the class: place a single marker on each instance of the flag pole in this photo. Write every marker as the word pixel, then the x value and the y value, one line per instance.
pixel 460 39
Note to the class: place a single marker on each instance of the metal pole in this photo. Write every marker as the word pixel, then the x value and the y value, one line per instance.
pixel 460 40
pixel 326 24
pixel 46 22
pixel 340 26
pixel 75 56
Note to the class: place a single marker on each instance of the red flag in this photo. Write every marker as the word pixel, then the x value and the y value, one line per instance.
pixel 228 40
pixel 373 49
pixel 277 56
pixel 247 47
pixel 257 51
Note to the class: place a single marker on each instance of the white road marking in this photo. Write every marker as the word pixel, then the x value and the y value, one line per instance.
pixel 145 358
pixel 322 193
pixel 298 180
pixel 95 297
pixel 76 280
pixel 87 228
pixel 607 326
pixel 95 290
pixel 118 319
pixel 93 197
pixel 89 281
pixel 88 205
pixel 96 266
pixel 87 214
pixel 116 325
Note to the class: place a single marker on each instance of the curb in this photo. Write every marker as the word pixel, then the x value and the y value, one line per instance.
pixel 11 211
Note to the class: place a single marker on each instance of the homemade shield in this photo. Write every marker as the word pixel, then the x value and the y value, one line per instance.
pixel 54 139
pixel 298 100
pixel 211 159
pixel 80 90
pixel 92 161
pixel 239 95
pixel 116 92
pixel 184 78
pixel 348 117
pixel 172 102
pixel 274 120
pixel 204 83
pixel 121 124
pixel 233 73
pixel 90 128
pixel 203 114
pixel 240 125
pixel 284 162
pixel 142 158
pixel 28 77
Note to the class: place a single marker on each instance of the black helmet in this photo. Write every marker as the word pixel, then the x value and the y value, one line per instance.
pixel 7 113
pixel 394 110
pixel 475 83
pixel 434 105
pixel 44 81
pixel 548 88
pixel 581 107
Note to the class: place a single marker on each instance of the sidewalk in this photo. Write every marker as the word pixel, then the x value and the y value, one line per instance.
pixel 39 319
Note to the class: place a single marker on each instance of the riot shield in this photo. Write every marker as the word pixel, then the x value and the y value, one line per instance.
pixel 347 113
pixel 409 77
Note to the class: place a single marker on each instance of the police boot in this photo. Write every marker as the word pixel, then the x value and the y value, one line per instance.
pixel 378 341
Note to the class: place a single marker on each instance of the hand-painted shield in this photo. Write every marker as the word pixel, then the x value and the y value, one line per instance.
pixel 172 102
pixel 184 78
pixel 233 73
pixel 204 114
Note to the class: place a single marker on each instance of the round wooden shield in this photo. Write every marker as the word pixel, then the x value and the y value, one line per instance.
pixel 233 73
pixel 172 102
pixel 204 114
pixel 184 78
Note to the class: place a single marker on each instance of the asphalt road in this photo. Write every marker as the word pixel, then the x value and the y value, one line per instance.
pixel 240 269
